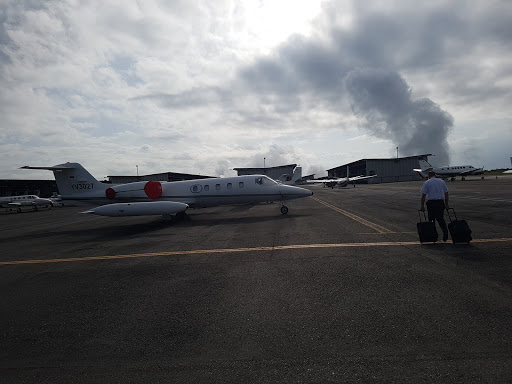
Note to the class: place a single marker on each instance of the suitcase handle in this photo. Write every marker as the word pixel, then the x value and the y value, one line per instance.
pixel 424 214
pixel 454 214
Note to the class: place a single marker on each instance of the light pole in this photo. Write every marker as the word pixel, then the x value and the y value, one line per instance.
pixel 137 170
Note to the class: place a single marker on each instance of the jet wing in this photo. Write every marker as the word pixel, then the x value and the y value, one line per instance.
pixel 355 178
pixel 320 181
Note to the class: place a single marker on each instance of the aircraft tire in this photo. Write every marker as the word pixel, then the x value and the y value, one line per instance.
pixel 284 209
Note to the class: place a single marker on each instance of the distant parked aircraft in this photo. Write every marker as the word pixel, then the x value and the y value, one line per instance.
pixel 339 182
pixel 25 201
pixel 166 198
pixel 448 171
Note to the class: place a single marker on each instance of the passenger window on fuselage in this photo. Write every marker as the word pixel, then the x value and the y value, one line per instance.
pixel 206 188
pixel 217 187
pixel 241 184
pixel 196 188
pixel 230 185
pixel 259 180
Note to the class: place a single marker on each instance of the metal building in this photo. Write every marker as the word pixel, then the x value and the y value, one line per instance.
pixel 387 170
pixel 165 176
pixel 41 188
pixel 272 172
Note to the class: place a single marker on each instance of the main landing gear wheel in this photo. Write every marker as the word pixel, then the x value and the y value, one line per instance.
pixel 284 209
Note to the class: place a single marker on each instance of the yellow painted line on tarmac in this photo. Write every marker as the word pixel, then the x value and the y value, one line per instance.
pixel 378 228
pixel 387 233
pixel 241 250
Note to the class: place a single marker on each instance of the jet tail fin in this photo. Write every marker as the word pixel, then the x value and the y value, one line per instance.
pixel 425 165
pixel 73 179
pixel 286 179
pixel 297 174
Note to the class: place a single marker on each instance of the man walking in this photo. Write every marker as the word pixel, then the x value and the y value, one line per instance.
pixel 435 191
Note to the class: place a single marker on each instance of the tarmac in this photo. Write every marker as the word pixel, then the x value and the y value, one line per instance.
pixel 338 290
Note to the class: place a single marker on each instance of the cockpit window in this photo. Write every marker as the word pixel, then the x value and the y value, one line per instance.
pixel 259 180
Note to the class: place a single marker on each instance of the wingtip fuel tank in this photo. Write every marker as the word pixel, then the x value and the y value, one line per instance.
pixel 139 209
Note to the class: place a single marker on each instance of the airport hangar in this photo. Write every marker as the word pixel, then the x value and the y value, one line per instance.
pixel 387 170
pixel 272 172
pixel 42 188
pixel 390 170
pixel 164 176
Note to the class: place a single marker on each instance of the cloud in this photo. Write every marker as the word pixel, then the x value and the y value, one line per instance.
pixel 384 100
pixel 96 81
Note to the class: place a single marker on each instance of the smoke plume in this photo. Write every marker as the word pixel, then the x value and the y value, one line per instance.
pixel 384 100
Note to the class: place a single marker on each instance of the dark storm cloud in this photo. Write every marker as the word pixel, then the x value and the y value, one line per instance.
pixel 384 100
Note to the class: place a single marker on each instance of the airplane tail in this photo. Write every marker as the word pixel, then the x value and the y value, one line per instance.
pixel 425 165
pixel 73 179
pixel 286 179
pixel 297 174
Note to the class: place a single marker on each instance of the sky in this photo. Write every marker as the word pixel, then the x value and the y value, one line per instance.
pixel 203 87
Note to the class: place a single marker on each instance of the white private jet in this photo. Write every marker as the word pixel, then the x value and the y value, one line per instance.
pixel 25 201
pixel 448 171
pixel 166 198
pixel 339 182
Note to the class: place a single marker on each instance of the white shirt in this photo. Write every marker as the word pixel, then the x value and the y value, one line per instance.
pixel 434 189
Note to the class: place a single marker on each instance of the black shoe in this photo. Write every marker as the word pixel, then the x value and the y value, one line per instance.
pixel 445 236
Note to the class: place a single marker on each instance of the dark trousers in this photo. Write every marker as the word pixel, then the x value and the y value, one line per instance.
pixel 435 209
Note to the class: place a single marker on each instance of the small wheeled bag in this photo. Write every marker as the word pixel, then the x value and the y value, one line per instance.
pixel 459 229
pixel 426 229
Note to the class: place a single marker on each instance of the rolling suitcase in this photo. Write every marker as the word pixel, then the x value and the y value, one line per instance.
pixel 459 229
pixel 426 230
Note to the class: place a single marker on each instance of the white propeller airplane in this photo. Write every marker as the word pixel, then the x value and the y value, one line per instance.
pixel 166 198
pixel 448 171
pixel 25 201
pixel 339 182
